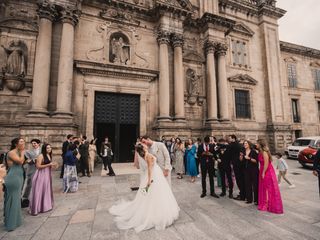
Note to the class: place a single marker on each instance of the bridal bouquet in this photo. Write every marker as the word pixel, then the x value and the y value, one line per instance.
pixel 145 190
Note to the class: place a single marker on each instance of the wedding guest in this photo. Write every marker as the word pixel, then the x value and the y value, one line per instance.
pixel 92 154
pixel 282 166
pixel 30 169
pixel 13 185
pixel 269 198
pixel 191 161
pixel 234 149
pixel 205 154
pixel 70 177
pixel 171 148
pixel 316 167
pixel 41 193
pixel 224 154
pixel 179 155
pixel 65 146
pixel 84 157
pixel 250 157
pixel 197 144
pixel 107 155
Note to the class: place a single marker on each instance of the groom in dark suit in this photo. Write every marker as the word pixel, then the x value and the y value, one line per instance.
pixel 206 156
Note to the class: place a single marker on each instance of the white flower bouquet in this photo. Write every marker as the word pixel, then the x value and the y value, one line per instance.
pixel 145 190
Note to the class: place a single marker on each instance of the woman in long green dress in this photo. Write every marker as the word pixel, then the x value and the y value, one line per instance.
pixel 13 185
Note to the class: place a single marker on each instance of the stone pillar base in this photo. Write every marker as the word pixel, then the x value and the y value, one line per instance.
pixel 61 114
pixel 211 120
pixel 38 113
pixel 164 119
pixel 180 119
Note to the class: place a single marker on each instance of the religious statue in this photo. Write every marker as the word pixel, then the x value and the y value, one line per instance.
pixel 16 58
pixel 120 51
pixel 193 82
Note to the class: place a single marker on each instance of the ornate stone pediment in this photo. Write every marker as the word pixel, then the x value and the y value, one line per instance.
pixel 243 78
pixel 243 29
pixel 19 23
pixel 193 57
pixel 315 64
pixel 184 4
pixel 290 60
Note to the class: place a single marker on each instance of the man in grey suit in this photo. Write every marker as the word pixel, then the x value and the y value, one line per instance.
pixel 160 151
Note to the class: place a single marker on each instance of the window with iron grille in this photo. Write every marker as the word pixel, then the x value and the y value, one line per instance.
pixel 316 77
pixel 242 98
pixel 319 110
pixel 295 110
pixel 292 75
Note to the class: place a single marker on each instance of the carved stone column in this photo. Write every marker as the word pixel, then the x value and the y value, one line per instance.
pixel 177 41
pixel 164 93
pixel 40 92
pixel 223 84
pixel 211 83
pixel 69 18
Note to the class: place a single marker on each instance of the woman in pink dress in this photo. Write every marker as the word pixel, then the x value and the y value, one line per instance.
pixel 269 198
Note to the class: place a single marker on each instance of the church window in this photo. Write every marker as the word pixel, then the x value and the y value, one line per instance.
pixel 316 77
pixel 242 102
pixel 292 75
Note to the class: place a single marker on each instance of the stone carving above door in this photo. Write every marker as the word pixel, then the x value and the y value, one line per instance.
pixel 119 46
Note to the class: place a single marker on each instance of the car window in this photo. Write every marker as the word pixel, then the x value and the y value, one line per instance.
pixel 303 142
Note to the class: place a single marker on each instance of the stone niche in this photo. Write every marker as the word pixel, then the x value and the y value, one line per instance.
pixel 119 49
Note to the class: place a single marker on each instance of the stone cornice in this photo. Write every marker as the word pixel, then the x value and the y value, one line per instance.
pixel 299 50
pixel 173 6
pixel 253 7
pixel 243 78
pixel 116 71
pixel 209 18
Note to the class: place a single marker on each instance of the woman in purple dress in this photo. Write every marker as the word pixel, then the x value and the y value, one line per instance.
pixel 269 198
pixel 41 194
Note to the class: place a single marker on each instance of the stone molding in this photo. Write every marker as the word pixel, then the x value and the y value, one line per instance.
pixel 299 50
pixel 243 78
pixel 163 37
pixel 242 29
pixel 177 40
pixel 116 71
pixel 208 18
pixel 253 7
pixel 47 10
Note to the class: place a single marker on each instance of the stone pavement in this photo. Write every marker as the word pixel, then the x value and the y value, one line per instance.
pixel 84 215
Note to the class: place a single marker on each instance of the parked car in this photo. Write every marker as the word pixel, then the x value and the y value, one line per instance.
pixel 305 157
pixel 300 144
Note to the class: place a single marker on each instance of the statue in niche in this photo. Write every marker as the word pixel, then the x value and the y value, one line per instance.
pixel 193 87
pixel 193 82
pixel 17 55
pixel 119 49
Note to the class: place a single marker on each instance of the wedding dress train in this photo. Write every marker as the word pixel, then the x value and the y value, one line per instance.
pixel 156 208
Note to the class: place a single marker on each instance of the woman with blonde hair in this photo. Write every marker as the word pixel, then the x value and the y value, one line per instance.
pixel 269 198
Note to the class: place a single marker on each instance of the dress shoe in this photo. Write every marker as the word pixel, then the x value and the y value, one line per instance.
pixel 256 203
pixel 222 194
pixel 214 195
pixel 203 195
pixel 238 198
pixel 89 175
pixel 230 195
pixel 248 202
pixel 111 175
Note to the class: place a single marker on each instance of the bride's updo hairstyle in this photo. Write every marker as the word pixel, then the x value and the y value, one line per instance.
pixel 140 150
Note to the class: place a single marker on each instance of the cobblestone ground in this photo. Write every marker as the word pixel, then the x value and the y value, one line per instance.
pixel 84 215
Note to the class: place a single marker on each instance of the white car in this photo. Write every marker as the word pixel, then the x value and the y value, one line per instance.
pixel 299 145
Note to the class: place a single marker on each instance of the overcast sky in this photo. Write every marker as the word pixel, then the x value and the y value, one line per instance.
pixel 301 23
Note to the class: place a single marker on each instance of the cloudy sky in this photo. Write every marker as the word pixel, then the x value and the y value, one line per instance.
pixel 301 24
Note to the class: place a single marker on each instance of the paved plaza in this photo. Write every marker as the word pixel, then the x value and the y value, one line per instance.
pixel 84 215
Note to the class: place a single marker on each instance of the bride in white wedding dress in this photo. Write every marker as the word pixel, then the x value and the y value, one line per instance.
pixel 154 204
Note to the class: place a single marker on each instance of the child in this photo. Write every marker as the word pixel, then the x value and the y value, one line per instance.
pixel 283 167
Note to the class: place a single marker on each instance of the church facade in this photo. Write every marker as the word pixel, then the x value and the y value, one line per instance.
pixel 124 68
